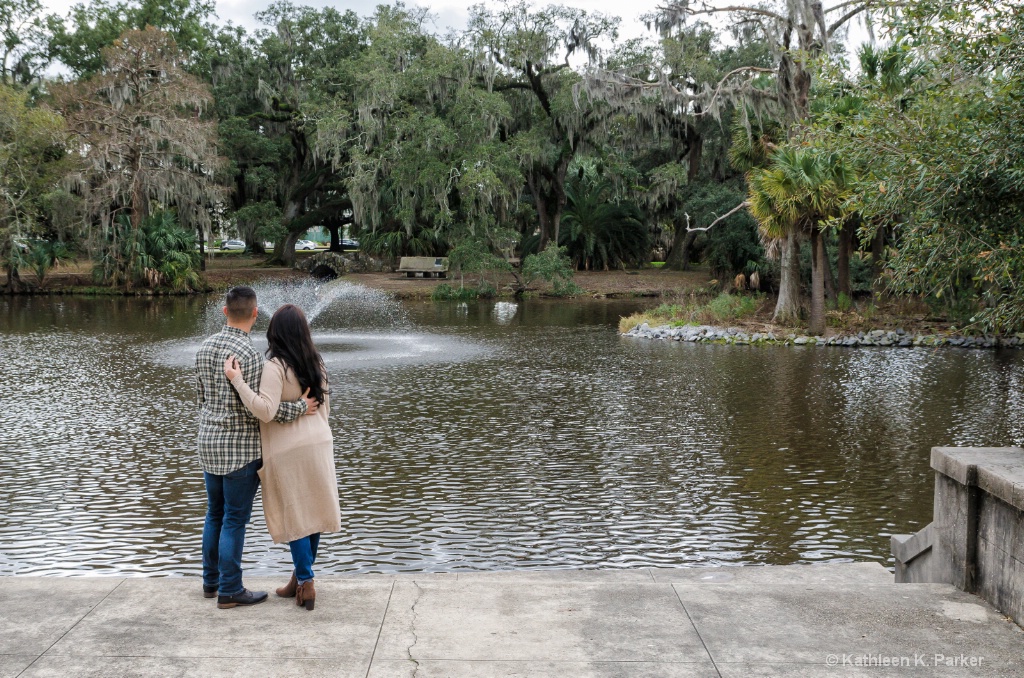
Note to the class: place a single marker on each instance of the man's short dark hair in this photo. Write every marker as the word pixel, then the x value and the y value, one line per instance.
pixel 240 303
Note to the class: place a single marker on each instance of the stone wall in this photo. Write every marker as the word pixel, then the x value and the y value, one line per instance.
pixel 976 538
pixel 329 264
pixel 892 338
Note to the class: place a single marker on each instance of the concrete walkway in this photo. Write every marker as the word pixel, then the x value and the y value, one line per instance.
pixel 735 622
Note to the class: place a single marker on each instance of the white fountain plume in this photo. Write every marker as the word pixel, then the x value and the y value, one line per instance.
pixel 354 327
pixel 351 304
pixel 341 303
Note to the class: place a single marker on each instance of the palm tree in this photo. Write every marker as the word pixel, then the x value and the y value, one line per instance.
pixel 892 70
pixel 802 192
pixel 44 255
pixel 601 233
pixel 160 252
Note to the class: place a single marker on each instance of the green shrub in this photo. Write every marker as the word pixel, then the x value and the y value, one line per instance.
pixel 668 310
pixel 445 292
pixel 553 266
pixel 731 307
pixel 486 290
pixel 722 309
pixel 960 308
pixel 474 257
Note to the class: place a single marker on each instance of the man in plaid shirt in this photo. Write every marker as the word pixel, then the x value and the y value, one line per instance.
pixel 229 449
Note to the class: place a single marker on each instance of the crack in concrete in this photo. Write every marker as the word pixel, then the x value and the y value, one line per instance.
pixel 72 627
pixel 412 628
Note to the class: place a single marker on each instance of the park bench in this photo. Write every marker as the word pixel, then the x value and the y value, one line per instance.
pixel 424 267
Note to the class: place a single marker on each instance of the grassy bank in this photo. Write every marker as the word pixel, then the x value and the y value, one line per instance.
pixel 753 313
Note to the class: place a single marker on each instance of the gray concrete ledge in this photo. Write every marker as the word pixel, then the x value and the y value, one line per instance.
pixel 739 621
pixel 999 471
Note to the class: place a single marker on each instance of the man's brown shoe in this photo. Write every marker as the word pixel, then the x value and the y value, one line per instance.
pixel 209 591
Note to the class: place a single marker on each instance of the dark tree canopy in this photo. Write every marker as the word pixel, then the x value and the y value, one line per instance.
pixel 536 126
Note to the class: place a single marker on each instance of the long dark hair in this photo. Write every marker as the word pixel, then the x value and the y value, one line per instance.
pixel 290 342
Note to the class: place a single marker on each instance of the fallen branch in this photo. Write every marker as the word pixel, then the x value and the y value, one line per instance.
pixel 725 216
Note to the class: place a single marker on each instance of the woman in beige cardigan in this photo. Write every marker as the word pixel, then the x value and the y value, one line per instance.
pixel 300 488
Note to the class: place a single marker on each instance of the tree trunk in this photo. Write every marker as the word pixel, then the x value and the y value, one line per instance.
pixel 285 251
pixel 787 308
pixel 542 211
pixel 202 249
pixel 845 252
pixel 819 269
pixel 138 197
pixel 830 280
pixel 877 251
pixel 558 185
pixel 678 258
pixel 695 154
pixel 335 240
pixel 545 231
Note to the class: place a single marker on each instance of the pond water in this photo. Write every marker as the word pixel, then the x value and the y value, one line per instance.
pixel 486 436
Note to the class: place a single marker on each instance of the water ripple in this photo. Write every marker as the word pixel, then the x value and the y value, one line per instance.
pixel 482 437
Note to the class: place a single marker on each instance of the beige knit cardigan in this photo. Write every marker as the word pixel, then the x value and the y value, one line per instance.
pixel 300 486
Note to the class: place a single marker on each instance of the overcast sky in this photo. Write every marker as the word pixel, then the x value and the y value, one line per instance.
pixel 453 14
pixel 448 13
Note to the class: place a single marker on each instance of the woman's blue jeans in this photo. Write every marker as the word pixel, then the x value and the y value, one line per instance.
pixel 229 506
pixel 304 555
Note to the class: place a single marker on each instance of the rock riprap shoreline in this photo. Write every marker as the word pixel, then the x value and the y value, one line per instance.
pixel 890 338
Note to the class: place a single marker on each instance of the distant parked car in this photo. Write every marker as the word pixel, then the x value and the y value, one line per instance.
pixel 233 245
pixel 305 245
pixel 349 244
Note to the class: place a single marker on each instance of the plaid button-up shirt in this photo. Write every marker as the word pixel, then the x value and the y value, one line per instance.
pixel 229 435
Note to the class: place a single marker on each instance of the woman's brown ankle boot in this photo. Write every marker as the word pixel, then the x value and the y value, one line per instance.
pixel 288 590
pixel 305 595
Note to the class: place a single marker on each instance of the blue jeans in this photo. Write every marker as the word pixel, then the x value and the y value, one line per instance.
pixel 229 505
pixel 304 555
